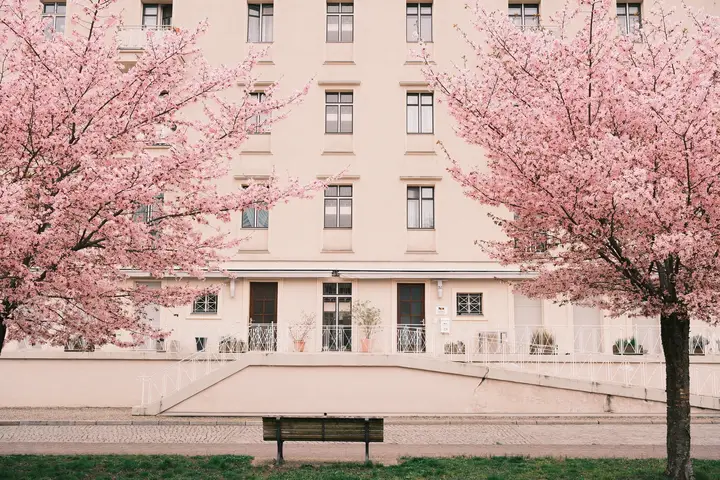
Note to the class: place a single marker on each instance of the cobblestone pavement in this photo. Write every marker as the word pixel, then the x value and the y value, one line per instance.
pixel 471 434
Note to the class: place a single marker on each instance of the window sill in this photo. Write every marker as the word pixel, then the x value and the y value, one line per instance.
pixel 264 229
pixel 337 228
pixel 200 316
pixel 415 42
pixel 261 43
pixel 338 133
pixel 421 229
pixel 476 318
pixel 421 133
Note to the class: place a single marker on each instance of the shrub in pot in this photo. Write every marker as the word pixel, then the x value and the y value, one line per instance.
pixel 367 318
pixel 455 347
pixel 300 330
pixel 629 346
pixel 698 345
pixel 230 344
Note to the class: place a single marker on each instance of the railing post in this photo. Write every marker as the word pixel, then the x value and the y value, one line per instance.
pixel 143 380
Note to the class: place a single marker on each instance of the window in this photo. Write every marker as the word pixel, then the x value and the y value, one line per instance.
pixel 524 15
pixel 419 113
pixel 628 18
pixel 55 12
pixel 338 206
pixel 257 123
pixel 469 304
pixel 337 316
pixel 419 22
pixel 255 217
pixel 147 213
pixel 200 344
pixel 421 207
pixel 260 22
pixel 206 304
pixel 338 112
pixel 155 15
pixel 339 23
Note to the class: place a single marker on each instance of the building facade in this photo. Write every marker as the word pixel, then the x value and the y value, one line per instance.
pixel 394 230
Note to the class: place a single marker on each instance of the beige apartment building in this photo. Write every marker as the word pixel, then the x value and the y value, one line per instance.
pixel 394 230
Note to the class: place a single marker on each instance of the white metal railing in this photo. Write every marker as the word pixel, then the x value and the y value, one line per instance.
pixel 355 338
pixel 337 338
pixel 411 338
pixel 262 337
pixel 135 37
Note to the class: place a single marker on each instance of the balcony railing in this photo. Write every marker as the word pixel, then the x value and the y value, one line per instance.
pixel 262 337
pixel 136 37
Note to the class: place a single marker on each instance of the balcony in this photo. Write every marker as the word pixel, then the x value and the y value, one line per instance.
pixel 136 37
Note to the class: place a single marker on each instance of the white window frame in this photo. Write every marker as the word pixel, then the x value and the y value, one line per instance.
pixel 345 11
pixel 264 34
pixel 160 16
pixel 460 314
pixel 254 223
pixel 419 127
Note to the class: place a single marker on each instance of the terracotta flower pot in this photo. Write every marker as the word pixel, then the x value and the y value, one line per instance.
pixel 299 345
pixel 365 345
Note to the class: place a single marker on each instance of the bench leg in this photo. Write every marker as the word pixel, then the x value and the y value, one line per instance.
pixel 367 452
pixel 280 458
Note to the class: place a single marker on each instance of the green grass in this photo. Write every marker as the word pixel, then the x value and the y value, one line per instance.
pixel 35 467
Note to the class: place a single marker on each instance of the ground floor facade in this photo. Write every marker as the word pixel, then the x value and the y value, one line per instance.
pixel 430 312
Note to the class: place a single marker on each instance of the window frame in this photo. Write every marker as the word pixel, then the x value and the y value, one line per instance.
pixel 337 198
pixel 459 313
pixel 523 16
pixel 419 107
pixel 337 296
pixel 255 218
pixel 419 201
pixel 54 15
pixel 257 120
pixel 206 300
pixel 340 15
pixel 626 16
pixel 261 15
pixel 418 16
pixel 339 105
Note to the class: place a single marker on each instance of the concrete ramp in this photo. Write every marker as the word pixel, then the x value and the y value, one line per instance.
pixel 361 384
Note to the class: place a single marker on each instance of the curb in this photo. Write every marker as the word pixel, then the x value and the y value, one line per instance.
pixel 388 421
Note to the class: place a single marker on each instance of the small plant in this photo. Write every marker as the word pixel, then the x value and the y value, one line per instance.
pixel 452 348
pixel 542 342
pixel 230 344
pixel 698 345
pixel 367 318
pixel 299 331
pixel 629 346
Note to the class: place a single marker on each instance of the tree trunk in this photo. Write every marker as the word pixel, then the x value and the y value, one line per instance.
pixel 675 334
pixel 3 329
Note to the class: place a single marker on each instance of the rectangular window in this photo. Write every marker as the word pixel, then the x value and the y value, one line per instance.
pixel 260 22
pixel 469 304
pixel 258 123
pixel 628 18
pixel 200 344
pixel 421 207
pixel 55 13
pixel 337 316
pixel 155 15
pixel 419 22
pixel 340 21
pixel 420 113
pixel 338 206
pixel 524 15
pixel 206 304
pixel 147 213
pixel 338 112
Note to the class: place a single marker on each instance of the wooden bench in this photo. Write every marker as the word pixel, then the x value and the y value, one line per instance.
pixel 322 429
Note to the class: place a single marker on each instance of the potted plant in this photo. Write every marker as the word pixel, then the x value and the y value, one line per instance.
pixel 78 344
pixel 230 344
pixel 454 348
pixel 698 345
pixel 300 330
pixel 627 346
pixel 367 318
pixel 542 343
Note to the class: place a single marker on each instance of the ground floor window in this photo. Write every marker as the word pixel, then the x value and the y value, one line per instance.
pixel 337 318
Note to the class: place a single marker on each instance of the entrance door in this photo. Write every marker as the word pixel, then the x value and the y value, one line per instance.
pixel 411 317
pixel 262 334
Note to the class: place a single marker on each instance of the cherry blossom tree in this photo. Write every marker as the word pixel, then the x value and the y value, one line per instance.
pixel 83 202
pixel 603 167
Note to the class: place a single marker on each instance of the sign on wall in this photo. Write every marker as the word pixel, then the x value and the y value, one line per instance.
pixel 440 310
